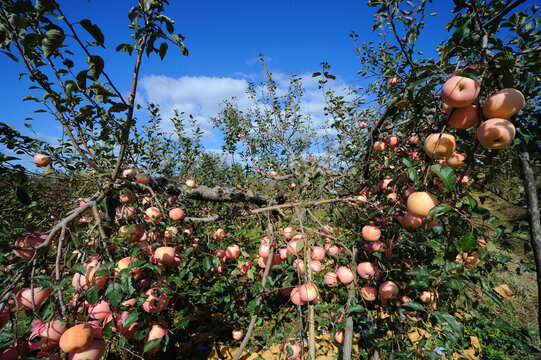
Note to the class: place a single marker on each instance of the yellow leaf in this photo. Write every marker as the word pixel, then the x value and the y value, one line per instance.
pixel 504 291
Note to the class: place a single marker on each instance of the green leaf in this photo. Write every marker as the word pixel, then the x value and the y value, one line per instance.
pixel 412 174
pixel 468 242
pixel 152 343
pixel 94 31
pixel 182 323
pixel 11 56
pixel 207 264
pixel 95 66
pixel 163 50
pixel 114 294
pixel 440 208
pixel 130 319
pixel 413 306
pixel 52 41
pixel 453 322
pixel 81 79
pixel 451 266
pixel 118 107
pixel 127 282
pixel 446 174
pixel 91 294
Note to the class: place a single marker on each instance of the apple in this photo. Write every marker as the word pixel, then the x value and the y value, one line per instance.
pixel 190 183
pixel 339 335
pixel 232 251
pixel 496 133
pixel 420 203
pixel 460 91
pixel 156 332
pixel 379 146
pixel 164 255
pixel 293 347
pixel 127 197
pixel 153 215
pixel 426 297
pixel 77 338
pixel 331 278
pixel 318 253
pixel 295 296
pixel 464 118
pixel 42 160
pixel 371 233
pixel 414 139
pixel 219 234
pixel 154 305
pixel 369 293
pixel 308 292
pixel 455 159
pixel 176 214
pixel 503 104
pixel 274 173
pixel 345 275
pixel 142 179
pixel 238 334
pixel 289 232
pixel 28 240
pixel 392 141
pixel 388 290
pixel 393 81
pixel 363 125
pixel 366 270
pixel 100 310
pixel 128 173
pixel 24 297
pixel 446 145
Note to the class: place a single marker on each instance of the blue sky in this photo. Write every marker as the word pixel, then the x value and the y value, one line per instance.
pixel 224 40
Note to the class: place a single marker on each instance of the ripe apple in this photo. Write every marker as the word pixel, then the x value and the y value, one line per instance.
pixel 308 292
pixel 42 160
pixel 420 203
pixel 152 304
pixel 156 332
pixel 455 159
pixel 460 91
pixel 366 270
pixel 153 215
pixel 219 234
pixel 128 173
pixel 190 183
pixel 100 310
pixel 345 275
pixel 176 214
pixel 295 296
pixel 426 297
pixel 392 141
pixel 363 125
pixel 369 293
pixel 164 255
pixel 24 297
pixel 496 133
pixel 464 118
pixel 388 290
pixel 446 145
pixel 371 233
pixel 331 278
pixel 77 338
pixel 318 253
pixel 503 104
pixel 142 179
pixel 232 251
pixel 414 139
pixel 379 146
pixel 127 197
pixel 393 81
pixel 274 173
pixel 238 334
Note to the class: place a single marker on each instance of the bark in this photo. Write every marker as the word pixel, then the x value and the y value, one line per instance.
pixel 217 194
pixel 532 200
pixel 348 335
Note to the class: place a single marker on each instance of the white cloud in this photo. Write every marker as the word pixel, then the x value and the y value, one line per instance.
pixel 201 96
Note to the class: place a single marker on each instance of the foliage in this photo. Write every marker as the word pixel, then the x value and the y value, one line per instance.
pixel 450 254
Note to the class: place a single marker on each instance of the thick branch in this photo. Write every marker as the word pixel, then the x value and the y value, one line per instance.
pixel 216 194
